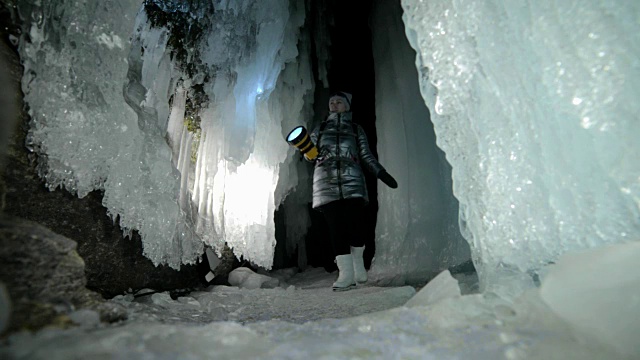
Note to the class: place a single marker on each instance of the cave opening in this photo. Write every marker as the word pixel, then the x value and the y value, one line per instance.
pixel 350 69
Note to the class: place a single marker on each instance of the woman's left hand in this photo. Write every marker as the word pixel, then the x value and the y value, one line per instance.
pixel 387 179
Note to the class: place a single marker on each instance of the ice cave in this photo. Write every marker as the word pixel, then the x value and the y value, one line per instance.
pixel 509 126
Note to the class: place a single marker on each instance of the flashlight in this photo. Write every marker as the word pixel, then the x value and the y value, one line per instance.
pixel 299 137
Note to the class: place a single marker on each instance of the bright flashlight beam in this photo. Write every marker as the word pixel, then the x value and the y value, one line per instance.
pixel 295 133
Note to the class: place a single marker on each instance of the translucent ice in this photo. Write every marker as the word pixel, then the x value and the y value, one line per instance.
pixel 441 287
pixel 598 293
pixel 244 168
pixel 178 181
pixel 75 63
pixel 417 233
pixel 535 106
pixel 77 58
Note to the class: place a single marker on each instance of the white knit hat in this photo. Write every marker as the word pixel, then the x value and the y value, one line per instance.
pixel 345 95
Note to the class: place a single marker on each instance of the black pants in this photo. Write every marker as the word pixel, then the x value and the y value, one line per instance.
pixel 344 218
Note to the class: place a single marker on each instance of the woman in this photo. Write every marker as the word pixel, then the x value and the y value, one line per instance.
pixel 339 188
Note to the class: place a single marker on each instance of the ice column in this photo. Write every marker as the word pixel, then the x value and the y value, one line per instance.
pixel 242 147
pixel 535 108
pixel 295 174
pixel 144 185
pixel 417 232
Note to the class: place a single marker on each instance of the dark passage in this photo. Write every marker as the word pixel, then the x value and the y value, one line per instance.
pixel 350 70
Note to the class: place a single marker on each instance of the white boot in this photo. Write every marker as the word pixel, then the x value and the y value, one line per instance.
pixel 358 264
pixel 345 273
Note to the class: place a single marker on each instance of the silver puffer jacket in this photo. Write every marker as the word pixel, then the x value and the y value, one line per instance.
pixel 342 154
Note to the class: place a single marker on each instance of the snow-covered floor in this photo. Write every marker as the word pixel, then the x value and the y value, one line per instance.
pixel 305 297
pixel 307 320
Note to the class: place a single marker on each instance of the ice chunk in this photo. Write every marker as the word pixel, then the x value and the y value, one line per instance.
pixel 598 293
pixel 162 299
pixel 245 278
pixel 442 287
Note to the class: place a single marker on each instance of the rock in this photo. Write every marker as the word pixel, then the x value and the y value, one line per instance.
pixel 218 267
pixel 245 278
pixel 5 308
pixel 272 283
pixel 85 317
pixel 282 275
pixel 162 299
pixel 8 97
pixel 43 274
pixel 111 312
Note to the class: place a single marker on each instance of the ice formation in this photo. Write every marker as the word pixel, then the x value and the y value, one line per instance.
pixel 178 176
pixel 75 63
pixel 417 232
pixel 534 105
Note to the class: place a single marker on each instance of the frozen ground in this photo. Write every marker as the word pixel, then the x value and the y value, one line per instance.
pixel 304 297
pixel 306 320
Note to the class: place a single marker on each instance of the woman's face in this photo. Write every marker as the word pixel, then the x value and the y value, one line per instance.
pixel 337 104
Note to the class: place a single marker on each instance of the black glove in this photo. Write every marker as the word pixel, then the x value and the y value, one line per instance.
pixel 387 179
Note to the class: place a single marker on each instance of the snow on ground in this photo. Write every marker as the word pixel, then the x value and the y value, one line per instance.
pixel 307 296
pixel 307 320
